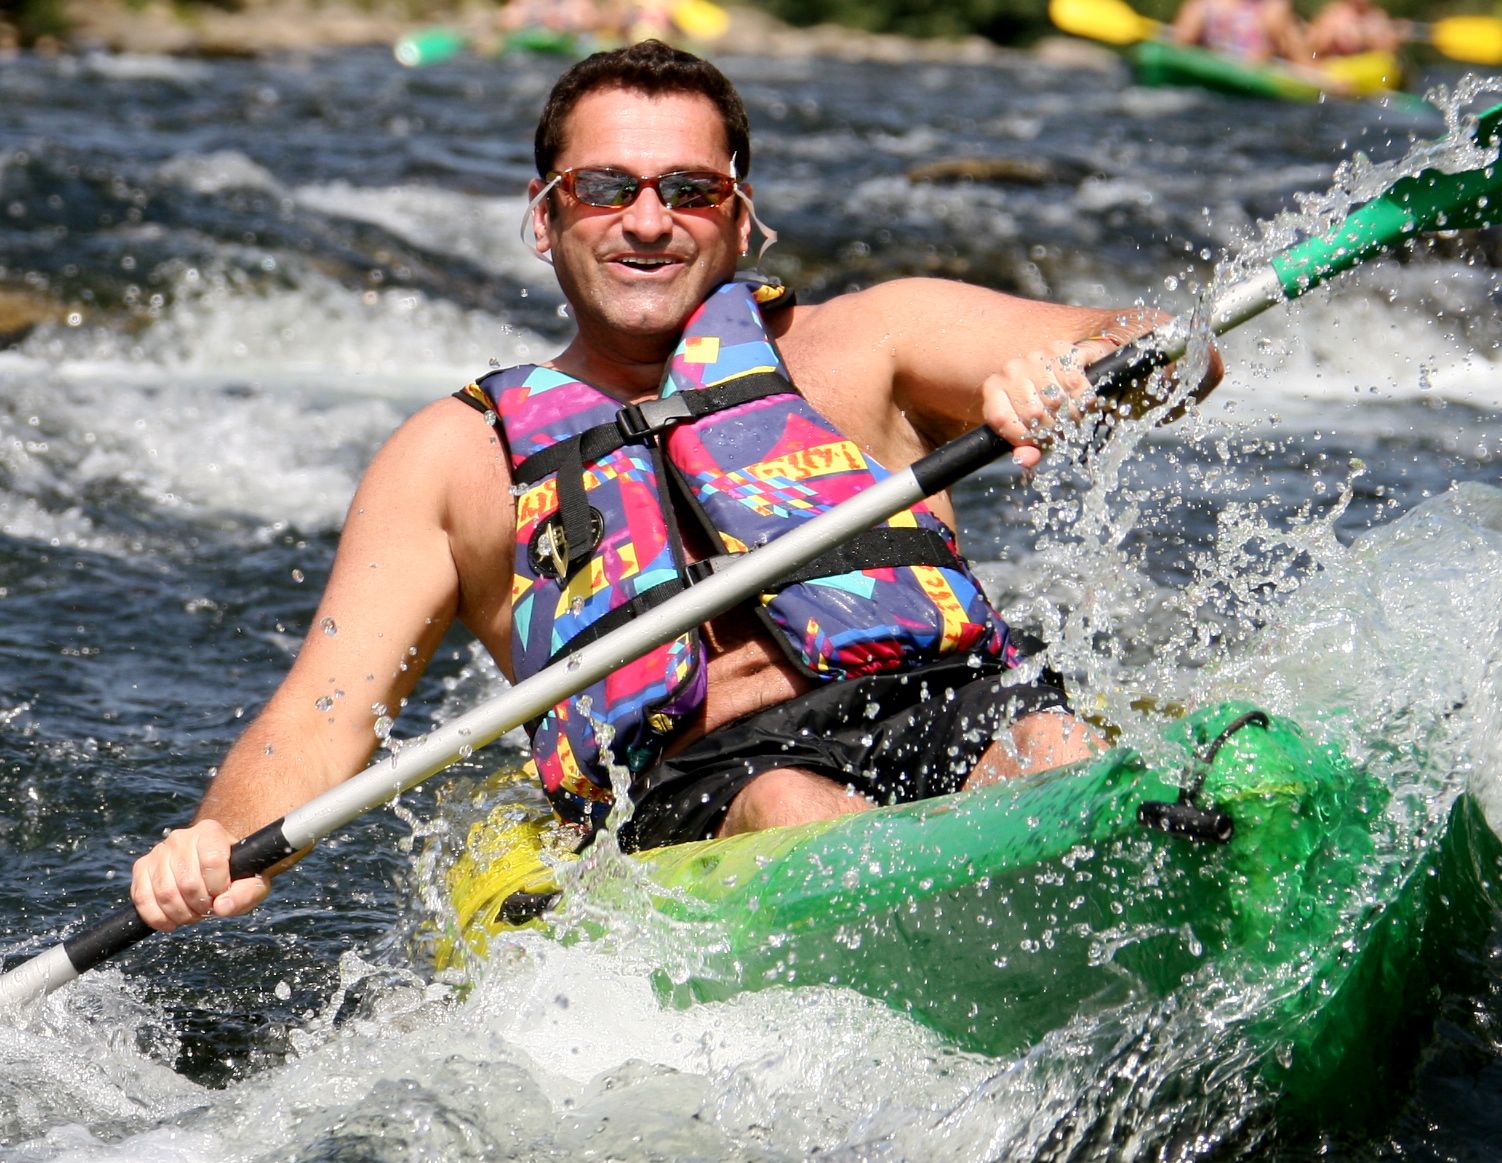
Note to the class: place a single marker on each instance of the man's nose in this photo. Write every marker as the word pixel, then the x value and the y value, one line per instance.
pixel 647 218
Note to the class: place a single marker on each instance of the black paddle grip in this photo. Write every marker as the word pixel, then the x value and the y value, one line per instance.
pixel 958 459
pixel 259 851
pixel 1110 375
pixel 1127 367
pixel 103 939
pixel 124 927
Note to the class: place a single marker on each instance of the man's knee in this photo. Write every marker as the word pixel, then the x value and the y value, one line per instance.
pixel 788 796
pixel 1047 739
pixel 1037 742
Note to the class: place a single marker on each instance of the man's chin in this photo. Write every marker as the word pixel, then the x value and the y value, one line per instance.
pixel 640 308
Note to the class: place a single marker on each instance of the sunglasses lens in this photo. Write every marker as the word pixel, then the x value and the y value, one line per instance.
pixel 603 187
pixel 693 191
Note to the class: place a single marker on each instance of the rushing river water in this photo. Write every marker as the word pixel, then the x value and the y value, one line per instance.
pixel 260 267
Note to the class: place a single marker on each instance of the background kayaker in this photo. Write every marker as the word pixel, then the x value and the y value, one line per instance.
pixel 581 17
pixel 1253 30
pixel 430 535
pixel 1347 27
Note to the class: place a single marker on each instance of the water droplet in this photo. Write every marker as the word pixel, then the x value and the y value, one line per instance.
pixel 328 627
pixel 325 704
pixel 297 576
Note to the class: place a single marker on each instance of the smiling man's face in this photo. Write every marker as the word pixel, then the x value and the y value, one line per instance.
pixel 634 274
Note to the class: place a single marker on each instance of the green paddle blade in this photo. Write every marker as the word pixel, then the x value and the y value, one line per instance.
pixel 1430 200
pixel 428 46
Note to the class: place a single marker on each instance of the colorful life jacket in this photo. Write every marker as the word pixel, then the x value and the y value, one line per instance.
pixel 731 443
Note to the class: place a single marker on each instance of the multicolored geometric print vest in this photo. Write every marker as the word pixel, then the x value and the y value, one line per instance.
pixel 729 444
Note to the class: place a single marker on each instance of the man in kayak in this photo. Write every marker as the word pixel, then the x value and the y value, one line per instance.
pixel 642 206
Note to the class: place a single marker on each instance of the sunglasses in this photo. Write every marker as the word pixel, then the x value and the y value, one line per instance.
pixel 679 190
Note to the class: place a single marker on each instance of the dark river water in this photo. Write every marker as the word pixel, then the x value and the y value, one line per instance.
pixel 256 269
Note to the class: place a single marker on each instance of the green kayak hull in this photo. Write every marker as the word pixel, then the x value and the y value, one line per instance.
pixel 999 915
pixel 1163 63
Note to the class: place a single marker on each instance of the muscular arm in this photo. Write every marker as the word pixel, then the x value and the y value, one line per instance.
pixel 955 337
pixel 910 364
pixel 430 510
pixel 938 343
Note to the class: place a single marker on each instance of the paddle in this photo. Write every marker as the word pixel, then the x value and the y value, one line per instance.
pixel 1430 200
pixel 1474 39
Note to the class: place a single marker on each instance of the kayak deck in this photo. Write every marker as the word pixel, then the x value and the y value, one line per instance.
pixel 998 915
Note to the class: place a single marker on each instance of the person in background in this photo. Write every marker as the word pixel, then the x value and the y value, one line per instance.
pixel 1347 27
pixel 580 17
pixel 1253 30
pixel 543 502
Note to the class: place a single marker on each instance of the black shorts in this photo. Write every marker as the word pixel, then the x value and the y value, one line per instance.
pixel 892 737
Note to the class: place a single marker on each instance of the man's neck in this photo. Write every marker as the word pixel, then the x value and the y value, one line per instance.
pixel 629 375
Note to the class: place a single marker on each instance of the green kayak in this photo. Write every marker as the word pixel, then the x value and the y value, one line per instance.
pixel 1247 859
pixel 1162 63
pixel 431 46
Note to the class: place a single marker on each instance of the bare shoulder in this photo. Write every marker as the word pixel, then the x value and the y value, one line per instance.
pixel 917 309
pixel 446 423
pixel 441 455
pixel 871 308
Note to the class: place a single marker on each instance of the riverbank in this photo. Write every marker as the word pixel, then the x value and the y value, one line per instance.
pixel 257 27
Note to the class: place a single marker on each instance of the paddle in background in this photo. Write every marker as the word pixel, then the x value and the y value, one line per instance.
pixel 1472 39
pixel 696 21
pixel 1430 199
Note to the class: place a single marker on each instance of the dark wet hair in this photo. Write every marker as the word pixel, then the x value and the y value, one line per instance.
pixel 649 67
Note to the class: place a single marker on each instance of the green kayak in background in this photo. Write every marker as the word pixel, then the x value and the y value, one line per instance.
pixel 1243 860
pixel 431 46
pixel 1162 62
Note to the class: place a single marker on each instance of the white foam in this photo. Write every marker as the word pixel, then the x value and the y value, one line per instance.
pixel 484 230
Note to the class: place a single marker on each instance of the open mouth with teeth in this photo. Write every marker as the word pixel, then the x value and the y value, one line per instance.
pixel 645 262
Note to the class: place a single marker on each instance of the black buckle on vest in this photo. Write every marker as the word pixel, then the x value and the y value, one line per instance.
pixel 696 571
pixel 638 421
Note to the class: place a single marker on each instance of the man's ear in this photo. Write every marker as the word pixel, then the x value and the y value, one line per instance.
pixel 743 219
pixel 540 218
